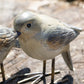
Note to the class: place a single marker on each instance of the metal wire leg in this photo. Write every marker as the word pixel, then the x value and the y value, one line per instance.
pixel 41 76
pixel 2 71
pixel 44 68
pixel 53 68
pixel 37 77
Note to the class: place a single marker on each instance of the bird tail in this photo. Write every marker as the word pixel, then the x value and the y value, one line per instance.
pixel 67 58
pixel 77 29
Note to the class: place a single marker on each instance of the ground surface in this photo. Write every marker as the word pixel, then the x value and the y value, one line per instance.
pixel 17 60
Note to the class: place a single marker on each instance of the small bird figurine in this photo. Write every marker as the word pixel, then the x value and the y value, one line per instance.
pixel 7 39
pixel 43 37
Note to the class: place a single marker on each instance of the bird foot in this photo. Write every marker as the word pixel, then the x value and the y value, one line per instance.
pixel 37 77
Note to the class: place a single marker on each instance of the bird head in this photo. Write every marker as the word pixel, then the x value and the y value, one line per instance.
pixel 27 22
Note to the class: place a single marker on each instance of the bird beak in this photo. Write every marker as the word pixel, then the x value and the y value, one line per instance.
pixel 18 34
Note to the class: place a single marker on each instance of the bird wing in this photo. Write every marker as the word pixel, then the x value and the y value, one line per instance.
pixel 6 35
pixel 67 57
pixel 59 37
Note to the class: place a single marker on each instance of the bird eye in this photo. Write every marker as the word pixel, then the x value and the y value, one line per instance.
pixel 28 25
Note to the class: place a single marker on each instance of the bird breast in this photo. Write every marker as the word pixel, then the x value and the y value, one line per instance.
pixel 39 49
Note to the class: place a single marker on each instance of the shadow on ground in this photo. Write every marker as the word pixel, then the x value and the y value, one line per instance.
pixel 67 79
pixel 17 76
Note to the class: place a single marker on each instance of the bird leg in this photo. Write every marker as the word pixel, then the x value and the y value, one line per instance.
pixel 42 76
pixel 53 68
pixel 2 72
pixel 44 68
pixel 37 77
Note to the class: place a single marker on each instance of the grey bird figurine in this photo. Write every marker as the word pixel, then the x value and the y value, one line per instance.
pixel 7 39
pixel 43 37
